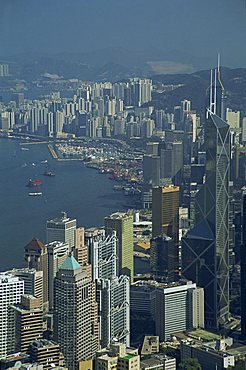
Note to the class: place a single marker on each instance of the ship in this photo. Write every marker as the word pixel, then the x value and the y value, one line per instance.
pixel 49 173
pixel 24 149
pixel 35 194
pixel 33 183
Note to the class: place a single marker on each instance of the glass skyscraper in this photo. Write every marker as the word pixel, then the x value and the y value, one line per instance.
pixel 205 248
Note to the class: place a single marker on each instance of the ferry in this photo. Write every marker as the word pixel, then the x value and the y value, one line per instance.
pixel 35 194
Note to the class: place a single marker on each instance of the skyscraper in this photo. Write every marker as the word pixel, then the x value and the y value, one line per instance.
pixel 57 253
pixel 33 281
pixel 205 248
pixel 243 269
pixel 122 223
pixel 11 289
pixel 102 251
pixel 113 296
pixel 112 291
pixel 61 229
pixel 35 254
pixel 164 258
pixel 73 313
pixel 165 212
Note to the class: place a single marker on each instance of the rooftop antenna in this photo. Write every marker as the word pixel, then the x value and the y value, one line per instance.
pixel 215 91
pixel 222 113
pixel 211 93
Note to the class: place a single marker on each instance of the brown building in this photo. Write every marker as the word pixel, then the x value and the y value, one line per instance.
pixel 28 318
pixel 36 257
pixel 165 212
pixel 46 353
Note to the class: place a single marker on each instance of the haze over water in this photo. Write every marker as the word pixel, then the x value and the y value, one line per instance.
pixel 82 192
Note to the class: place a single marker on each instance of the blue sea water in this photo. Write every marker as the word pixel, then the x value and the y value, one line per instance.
pixel 82 192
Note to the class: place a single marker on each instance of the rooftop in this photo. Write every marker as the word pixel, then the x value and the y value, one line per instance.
pixel 70 263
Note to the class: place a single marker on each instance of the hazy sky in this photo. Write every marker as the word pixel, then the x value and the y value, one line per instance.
pixel 199 28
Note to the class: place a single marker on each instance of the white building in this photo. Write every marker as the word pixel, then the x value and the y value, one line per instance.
pixel 102 253
pixel 57 253
pixel 113 296
pixel 11 289
pixel 61 229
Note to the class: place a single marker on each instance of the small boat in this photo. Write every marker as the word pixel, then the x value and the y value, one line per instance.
pixel 35 194
pixel 33 183
pixel 33 164
pixel 24 149
pixel 44 161
pixel 24 165
pixel 49 174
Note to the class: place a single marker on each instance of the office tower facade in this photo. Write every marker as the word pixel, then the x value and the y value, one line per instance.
pixel 164 258
pixel 168 307
pixel 28 319
pixel 57 253
pixel 165 212
pixel 73 313
pixel 171 159
pixel 33 281
pixel 45 352
pixel 178 308
pixel 80 250
pixel 113 296
pixel 102 253
pixel 4 70
pixel 112 291
pixel 151 170
pixel 35 255
pixel 11 289
pixel 205 248
pixel 61 229
pixel 243 269
pixel 122 223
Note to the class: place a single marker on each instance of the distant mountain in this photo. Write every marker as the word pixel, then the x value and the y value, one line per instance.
pixel 92 65
pixel 195 86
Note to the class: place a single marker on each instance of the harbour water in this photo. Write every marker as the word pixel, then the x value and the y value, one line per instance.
pixel 82 192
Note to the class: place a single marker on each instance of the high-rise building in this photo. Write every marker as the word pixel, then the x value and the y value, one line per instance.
pixel 164 258
pixel 73 313
pixel 4 70
pixel 80 250
pixel 112 291
pixel 205 248
pixel 35 254
pixel 11 289
pixel 57 253
pixel 102 253
pixel 178 308
pixel 243 269
pixel 33 281
pixel 166 307
pixel 151 170
pixel 28 319
pixel 61 229
pixel 165 212
pixel 113 297
pixel 122 223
